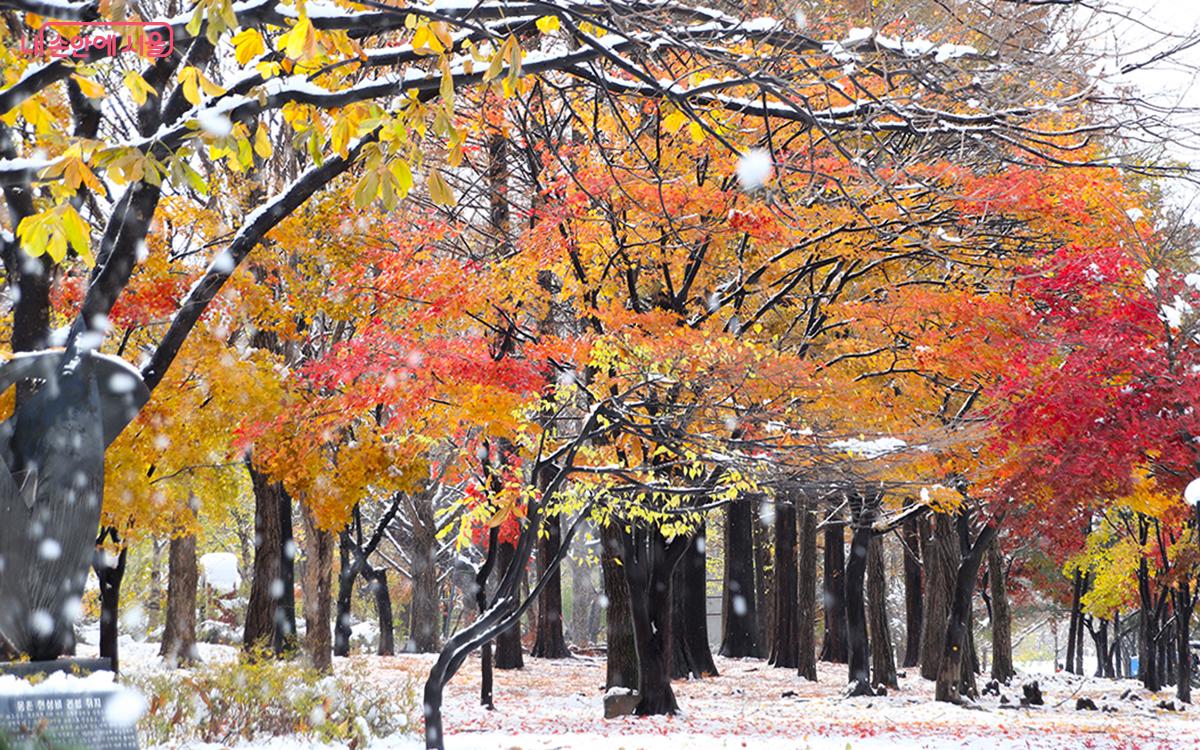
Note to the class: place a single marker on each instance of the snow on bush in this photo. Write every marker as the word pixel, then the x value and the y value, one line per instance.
pixel 221 571
pixel 255 700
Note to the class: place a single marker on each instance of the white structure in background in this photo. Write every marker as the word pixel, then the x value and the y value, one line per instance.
pixel 219 572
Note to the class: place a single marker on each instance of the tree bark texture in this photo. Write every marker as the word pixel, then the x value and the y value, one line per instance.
pixel 692 656
pixel 883 658
pixel 833 647
pixel 318 592
pixel 784 627
pixel 550 643
pixel 806 598
pixel 739 612
pixel 621 653
pixel 1002 657
pixel 179 630
pixel 941 558
pixel 508 643
pixel 912 536
pixel 258 631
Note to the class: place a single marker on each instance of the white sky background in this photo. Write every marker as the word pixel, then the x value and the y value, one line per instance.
pixel 1138 30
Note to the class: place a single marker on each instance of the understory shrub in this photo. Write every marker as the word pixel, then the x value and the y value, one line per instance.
pixel 224 702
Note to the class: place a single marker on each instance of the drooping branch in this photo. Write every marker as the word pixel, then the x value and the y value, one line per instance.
pixel 254 229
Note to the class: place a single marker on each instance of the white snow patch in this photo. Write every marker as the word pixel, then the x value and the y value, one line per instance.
pixel 221 571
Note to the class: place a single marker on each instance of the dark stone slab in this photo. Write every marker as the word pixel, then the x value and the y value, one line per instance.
pixel 71 666
pixel 66 719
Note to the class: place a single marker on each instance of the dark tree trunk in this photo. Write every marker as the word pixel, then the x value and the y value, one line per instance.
pixel 1002 658
pixel 486 661
pixel 258 633
pixel 621 651
pixel 940 557
pixel 649 562
pixel 953 680
pixel 348 569
pixel 318 593
pixel 912 536
pixel 883 658
pixel 550 643
pixel 1073 629
pixel 1184 605
pixel 862 515
pixel 739 631
pixel 425 611
pixel 833 647
pixel 1104 656
pixel 508 643
pixel 383 608
pixel 763 583
pixel 806 599
pixel 179 630
pixel 283 596
pixel 110 576
pixel 1148 671
pixel 692 656
pixel 784 630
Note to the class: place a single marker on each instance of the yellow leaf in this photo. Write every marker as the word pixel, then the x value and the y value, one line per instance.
pixel 404 180
pixel 90 88
pixel 188 77
pixel 696 131
pixel 439 192
pixel 138 88
pixel 262 143
pixel 546 24
pixel 674 121
pixel 299 41
pixel 247 45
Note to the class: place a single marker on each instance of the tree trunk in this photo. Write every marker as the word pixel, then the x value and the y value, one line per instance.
pixel 508 643
pixel 179 631
pixel 692 656
pixel 283 596
pixel 258 633
pixel 348 569
pixel 762 576
pixel 953 679
pixel 862 515
pixel 1002 658
pixel 383 608
pixel 912 536
pixel 621 653
pixel 550 643
pixel 784 630
pixel 883 659
pixel 1184 605
pixel 941 557
pixel 806 599
pixel 649 562
pixel 833 647
pixel 318 593
pixel 425 610
pixel 1148 671
pixel 109 576
pixel 1073 628
pixel 739 631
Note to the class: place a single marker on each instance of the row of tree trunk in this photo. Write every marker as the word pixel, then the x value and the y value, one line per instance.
pixel 943 556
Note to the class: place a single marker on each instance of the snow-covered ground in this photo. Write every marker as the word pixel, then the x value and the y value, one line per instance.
pixel 558 705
